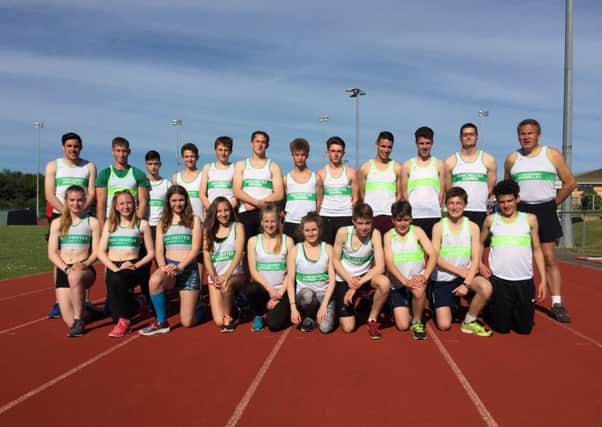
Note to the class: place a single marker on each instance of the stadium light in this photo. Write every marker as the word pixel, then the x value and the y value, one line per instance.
pixel 177 123
pixel 355 92
pixel 39 126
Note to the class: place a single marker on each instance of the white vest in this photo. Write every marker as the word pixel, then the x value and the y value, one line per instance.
pixel 356 262
pixel 456 248
pixel 312 274
pixel 510 256
pixel 156 200
pixel 408 255
pixel 535 176
pixel 224 251
pixel 472 177
pixel 381 187
pixel 423 189
pixel 300 198
pixel 272 267
pixel 67 175
pixel 193 188
pixel 337 194
pixel 256 182
pixel 219 182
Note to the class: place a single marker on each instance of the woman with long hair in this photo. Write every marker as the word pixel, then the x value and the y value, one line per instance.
pixel 268 253
pixel 177 246
pixel 119 250
pixel 71 248
pixel 223 248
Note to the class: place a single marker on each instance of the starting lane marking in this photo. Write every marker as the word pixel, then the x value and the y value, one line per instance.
pixel 26 293
pixel 66 374
pixel 22 325
pixel 472 394
pixel 242 405
pixel 571 330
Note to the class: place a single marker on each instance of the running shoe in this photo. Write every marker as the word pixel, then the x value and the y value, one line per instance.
pixel 475 328
pixel 228 324
pixel 373 331
pixel 155 328
pixel 559 313
pixel 55 311
pixel 308 324
pixel 77 329
pixel 418 330
pixel 121 329
pixel 257 325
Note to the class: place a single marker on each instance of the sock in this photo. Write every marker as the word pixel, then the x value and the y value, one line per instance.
pixel 159 303
pixel 371 320
pixel 469 318
pixel 556 299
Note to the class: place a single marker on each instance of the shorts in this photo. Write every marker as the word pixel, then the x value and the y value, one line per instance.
pixel 426 224
pixel 477 217
pixel 340 289
pixel 250 222
pixel 188 279
pixel 547 218
pixel 400 297
pixel 153 229
pixel 382 223
pixel 330 226
pixel 61 277
pixel 50 219
pixel 292 230
pixel 512 305
pixel 440 293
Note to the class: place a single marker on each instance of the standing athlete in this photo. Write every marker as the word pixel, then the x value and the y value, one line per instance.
pixel 217 176
pixel 536 167
pixel 190 177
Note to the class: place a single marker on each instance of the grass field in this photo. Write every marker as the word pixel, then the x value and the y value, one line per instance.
pixel 593 238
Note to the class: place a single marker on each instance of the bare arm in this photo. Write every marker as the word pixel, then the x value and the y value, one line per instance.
pixel 390 263
pixel 379 258
pixel 203 190
pixel 319 191
pixel 101 205
pixel 450 163
pixel 508 164
pixel 91 196
pixel 54 253
pixel 564 173
pixel 538 256
pixel 148 244
pixel 491 166
pixel 337 254
pixel 290 284
pixel 405 168
pixel 102 249
pixel 142 202
pixel 197 237
pixel 237 182
pixel 483 268
pixel 239 249
pixel 429 250
pixel 277 185
pixel 398 192
pixel 50 186
pixel 330 289
pixel 252 260
pixel 441 170
pixel 360 176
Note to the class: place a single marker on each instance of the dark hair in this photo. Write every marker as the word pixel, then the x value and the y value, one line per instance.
pixel 401 209
pixel 121 142
pixel 299 144
pixel 506 187
pixel 424 132
pixel 71 135
pixel 187 217
pixel 456 192
pixel 189 146
pixel 385 134
pixel 226 141
pixel 211 222
pixel 531 122
pixel 152 155
pixel 264 134
pixel 312 216
pixel 335 140
pixel 469 125
pixel 362 210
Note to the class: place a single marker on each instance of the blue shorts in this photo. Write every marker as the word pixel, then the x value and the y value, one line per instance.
pixel 440 293
pixel 400 297
pixel 188 279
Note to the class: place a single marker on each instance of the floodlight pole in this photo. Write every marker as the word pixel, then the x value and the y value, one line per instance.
pixel 39 126
pixel 177 123
pixel 355 92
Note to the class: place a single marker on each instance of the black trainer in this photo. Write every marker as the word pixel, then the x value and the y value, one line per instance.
pixel 308 324
pixel 559 313
pixel 77 329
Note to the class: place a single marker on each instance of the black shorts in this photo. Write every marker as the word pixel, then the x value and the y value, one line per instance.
pixel 153 229
pixel 477 217
pixel 426 224
pixel 440 293
pixel 547 219
pixel 512 305
pixel 61 277
pixel 250 222
pixel 330 226
pixel 400 297
pixel 340 289
pixel 292 230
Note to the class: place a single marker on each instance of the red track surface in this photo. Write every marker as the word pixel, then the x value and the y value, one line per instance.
pixel 201 377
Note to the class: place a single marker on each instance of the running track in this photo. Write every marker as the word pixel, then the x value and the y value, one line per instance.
pixel 201 377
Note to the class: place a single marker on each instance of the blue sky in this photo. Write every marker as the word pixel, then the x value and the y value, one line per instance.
pixel 112 68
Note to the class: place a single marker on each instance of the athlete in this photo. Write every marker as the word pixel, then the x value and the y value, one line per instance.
pixel 257 181
pixel 71 248
pixel 536 168
pixel 473 170
pixel 423 183
pixel 456 239
pixel 406 246
pixel 379 182
pixel 158 189
pixel 223 249
pixel 359 264
pixel 514 245
pixel 68 170
pixel 270 263
pixel 217 176
pixel 177 245
pixel 302 187
pixel 314 279
pixel 119 250
pixel 339 190
pixel 190 177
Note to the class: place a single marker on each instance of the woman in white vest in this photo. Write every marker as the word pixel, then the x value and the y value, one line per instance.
pixel 71 248
pixel 314 279
pixel 223 249
pixel 119 250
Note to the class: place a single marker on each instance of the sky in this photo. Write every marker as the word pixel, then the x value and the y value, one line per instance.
pixel 114 68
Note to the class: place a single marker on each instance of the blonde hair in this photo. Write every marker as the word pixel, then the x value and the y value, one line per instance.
pixel 271 208
pixel 65 218
pixel 115 216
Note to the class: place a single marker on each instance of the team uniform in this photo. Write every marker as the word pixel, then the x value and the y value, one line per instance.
pixel 472 177
pixel 68 175
pixel 223 253
pixel 512 305
pixel 193 190
pixel 380 194
pixel 300 199
pixel 336 208
pixel 409 259
pixel 179 237
pixel 219 182
pixel 536 177
pixel 156 201
pixel 115 180
pixel 423 194
pixel 78 237
pixel 257 183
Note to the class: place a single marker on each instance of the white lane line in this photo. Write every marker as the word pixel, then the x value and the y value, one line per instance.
pixel 242 405
pixel 22 325
pixel 571 330
pixel 66 374
pixel 472 394
pixel 26 293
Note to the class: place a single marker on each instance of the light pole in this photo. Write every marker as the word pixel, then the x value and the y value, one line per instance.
pixel 177 123
pixel 39 126
pixel 355 92
pixel 482 114
pixel 323 120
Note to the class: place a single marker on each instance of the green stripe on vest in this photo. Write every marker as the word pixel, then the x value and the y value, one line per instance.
pixel 338 191
pixel 511 241
pixel 463 251
pixel 222 256
pixel 255 182
pixel 177 239
pixel 423 182
pixel 311 277
pixel 534 176
pixel 155 202
pixel 469 177
pixel 71 180
pixel 75 239
pixel 380 186
pixel 358 260
pixel 270 265
pixel 213 185
pixel 128 241
pixel 413 256
pixel 300 196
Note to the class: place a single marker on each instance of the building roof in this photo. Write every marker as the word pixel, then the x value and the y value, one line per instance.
pixel 591 177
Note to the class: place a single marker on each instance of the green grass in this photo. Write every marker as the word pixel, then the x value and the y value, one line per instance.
pixel 593 238
pixel 23 250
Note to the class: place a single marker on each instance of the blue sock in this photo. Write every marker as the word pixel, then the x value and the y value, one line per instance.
pixel 159 303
